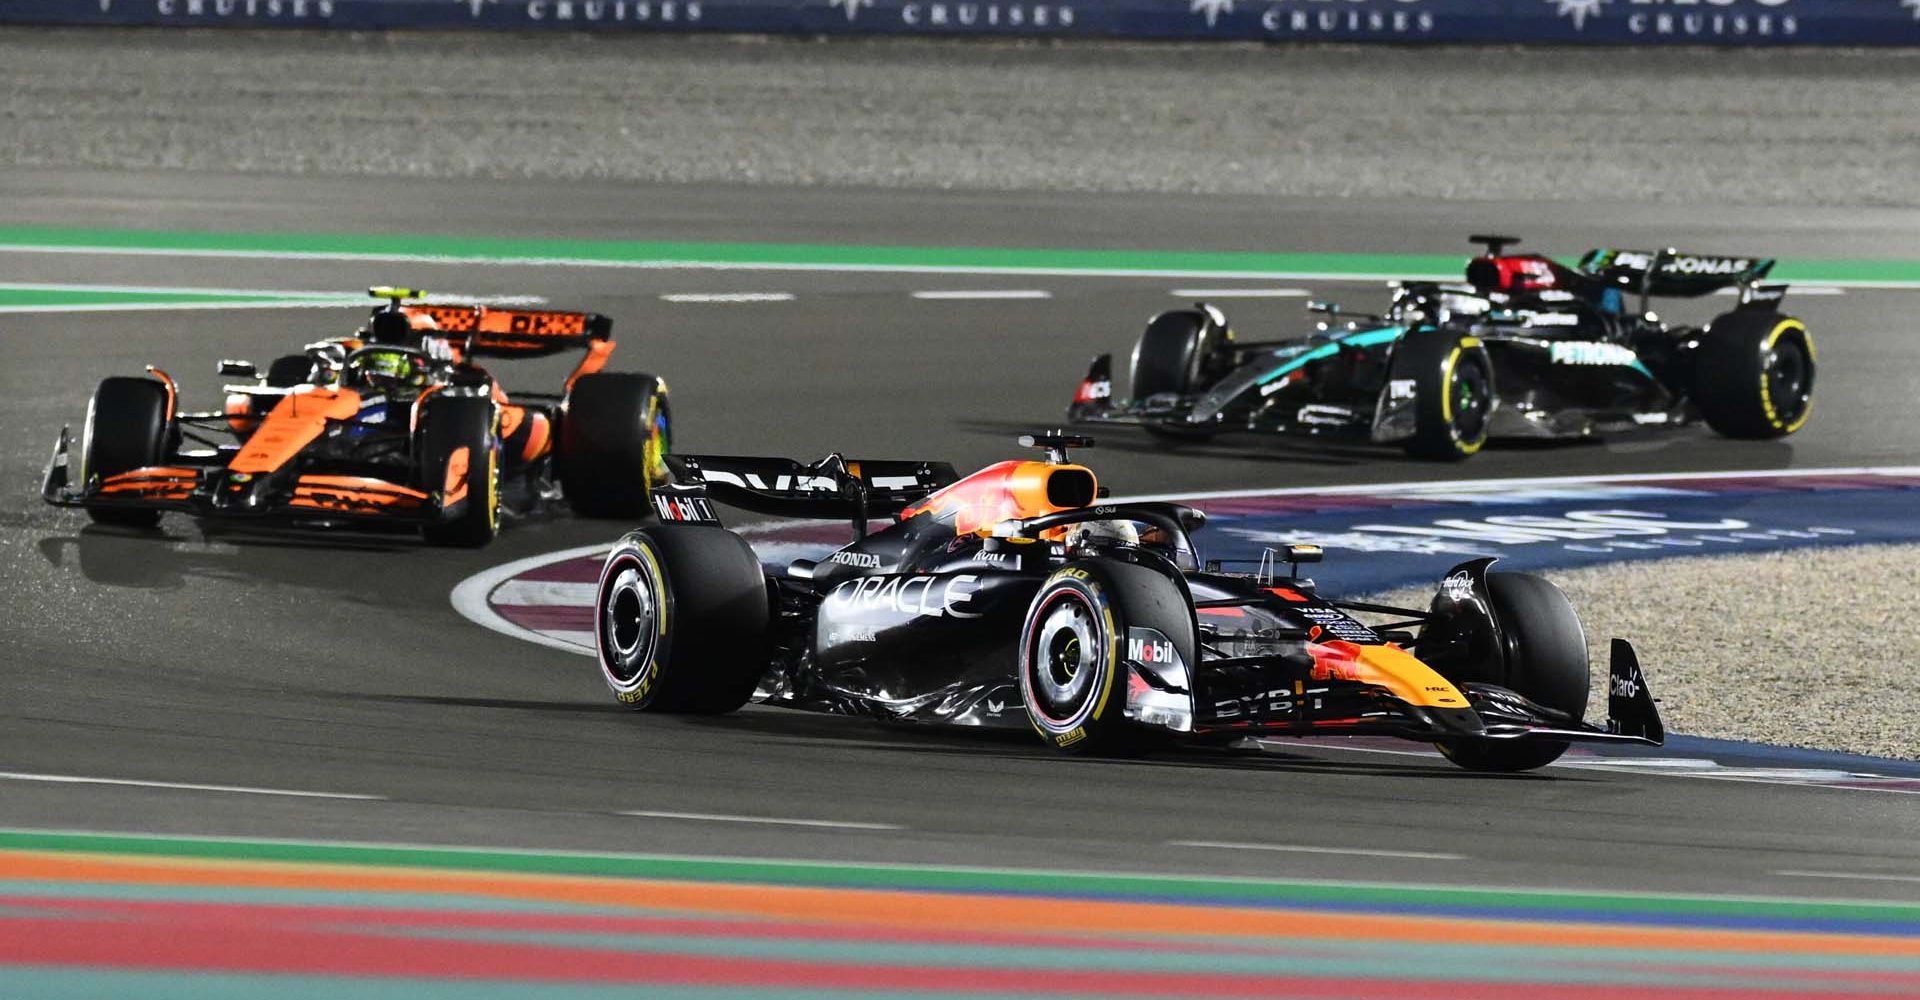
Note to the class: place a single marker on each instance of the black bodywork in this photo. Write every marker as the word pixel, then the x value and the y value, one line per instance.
pixel 1567 353
pixel 923 619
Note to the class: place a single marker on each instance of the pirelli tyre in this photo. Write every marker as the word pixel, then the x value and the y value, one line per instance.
pixel 1074 648
pixel 1546 661
pixel 129 426
pixel 1172 356
pixel 1453 393
pixel 615 431
pixel 681 619
pixel 457 460
pixel 1753 374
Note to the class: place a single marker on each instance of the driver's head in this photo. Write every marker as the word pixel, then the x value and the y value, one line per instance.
pixel 386 368
pixel 1102 534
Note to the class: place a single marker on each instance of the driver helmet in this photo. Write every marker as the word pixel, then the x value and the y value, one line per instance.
pixel 1094 535
pixel 386 368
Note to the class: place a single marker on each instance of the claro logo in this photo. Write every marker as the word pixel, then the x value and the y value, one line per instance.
pixel 920 596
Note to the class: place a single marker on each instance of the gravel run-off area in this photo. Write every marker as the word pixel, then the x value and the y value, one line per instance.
pixel 1684 126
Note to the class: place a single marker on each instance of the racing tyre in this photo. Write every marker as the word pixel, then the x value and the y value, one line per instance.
pixel 289 370
pixel 1546 661
pixel 615 430
pixel 127 428
pixel 458 456
pixel 1753 375
pixel 1170 357
pixel 1073 651
pixel 1453 394
pixel 681 619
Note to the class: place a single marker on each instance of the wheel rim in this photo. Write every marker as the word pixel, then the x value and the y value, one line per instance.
pixel 1063 657
pixel 1472 397
pixel 629 623
pixel 1789 382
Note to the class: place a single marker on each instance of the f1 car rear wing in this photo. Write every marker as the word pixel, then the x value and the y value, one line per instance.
pixel 1672 273
pixel 512 333
pixel 834 487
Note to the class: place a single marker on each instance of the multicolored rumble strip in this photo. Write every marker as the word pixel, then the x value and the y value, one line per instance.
pixel 85 915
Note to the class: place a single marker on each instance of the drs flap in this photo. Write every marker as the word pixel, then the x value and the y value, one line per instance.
pixel 512 332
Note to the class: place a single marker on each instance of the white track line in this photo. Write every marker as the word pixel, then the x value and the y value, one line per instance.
pixel 728 297
pixel 1305 849
pixel 68 779
pixel 469 596
pixel 1497 485
pixel 1855 876
pixel 1240 293
pixel 766 820
pixel 985 294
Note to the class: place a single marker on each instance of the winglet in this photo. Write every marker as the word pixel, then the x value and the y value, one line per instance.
pixel 1095 394
pixel 1630 707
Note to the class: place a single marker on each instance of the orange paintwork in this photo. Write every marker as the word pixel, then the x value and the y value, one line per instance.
pixel 1390 667
pixel 155 482
pixel 539 437
pixel 291 425
pixel 353 493
pixel 994 494
pixel 240 413
pixel 597 354
pixel 455 488
pixel 419 402
pixel 510 327
pixel 173 390
pixel 511 417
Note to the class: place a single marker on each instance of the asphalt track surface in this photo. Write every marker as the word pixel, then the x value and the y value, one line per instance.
pixel 308 664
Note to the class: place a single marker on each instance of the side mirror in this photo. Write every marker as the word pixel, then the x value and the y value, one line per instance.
pixel 238 369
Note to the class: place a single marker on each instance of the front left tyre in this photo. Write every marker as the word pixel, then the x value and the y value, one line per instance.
pixel 1545 660
pixel 1073 670
pixel 681 619
pixel 128 427
pixel 1452 394
pixel 457 456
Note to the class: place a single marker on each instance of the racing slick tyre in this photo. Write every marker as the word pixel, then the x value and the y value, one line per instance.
pixel 1172 356
pixel 1073 651
pixel 457 455
pixel 1452 394
pixel 127 428
pixel 1753 375
pixel 615 430
pixel 289 370
pixel 1546 661
pixel 681 619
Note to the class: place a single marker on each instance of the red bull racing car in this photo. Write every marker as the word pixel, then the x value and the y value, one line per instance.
pixel 396 425
pixel 1018 597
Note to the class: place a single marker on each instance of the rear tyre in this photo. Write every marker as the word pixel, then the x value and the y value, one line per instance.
pixel 1753 375
pixel 1546 661
pixel 127 428
pixel 681 620
pixel 1073 670
pixel 458 457
pixel 1453 395
pixel 1172 356
pixel 615 431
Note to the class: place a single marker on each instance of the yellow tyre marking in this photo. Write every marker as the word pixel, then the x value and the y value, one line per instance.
pixel 1446 396
pixel 1766 394
pixel 1113 665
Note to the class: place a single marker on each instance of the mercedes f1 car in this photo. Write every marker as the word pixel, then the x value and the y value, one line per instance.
pixel 1016 597
pixel 395 425
pixel 1524 348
